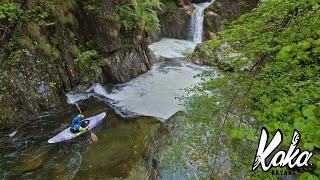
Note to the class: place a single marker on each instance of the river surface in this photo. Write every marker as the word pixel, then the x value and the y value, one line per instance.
pixel 126 137
pixel 155 92
pixel 129 135
pixel 122 150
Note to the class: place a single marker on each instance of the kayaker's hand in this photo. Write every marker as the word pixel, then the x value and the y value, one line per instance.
pixel 82 116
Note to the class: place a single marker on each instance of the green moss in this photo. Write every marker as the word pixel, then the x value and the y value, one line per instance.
pixel 55 53
pixel 93 8
pixel 170 11
pixel 26 42
pixel 111 17
pixel 215 8
pixel 74 50
pixel 34 30
pixel 5 113
pixel 113 33
pixel 87 63
pixel 139 15
pixel 243 3
pixel 66 19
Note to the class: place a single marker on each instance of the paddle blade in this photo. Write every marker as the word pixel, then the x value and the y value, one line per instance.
pixel 94 137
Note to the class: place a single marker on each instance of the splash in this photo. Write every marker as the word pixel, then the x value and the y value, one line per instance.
pixel 151 94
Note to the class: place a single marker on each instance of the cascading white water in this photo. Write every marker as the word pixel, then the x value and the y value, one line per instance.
pixel 153 93
pixel 196 22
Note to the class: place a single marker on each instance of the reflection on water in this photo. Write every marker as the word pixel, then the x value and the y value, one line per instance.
pixel 122 150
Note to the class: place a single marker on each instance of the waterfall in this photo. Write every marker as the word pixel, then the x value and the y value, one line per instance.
pixel 196 22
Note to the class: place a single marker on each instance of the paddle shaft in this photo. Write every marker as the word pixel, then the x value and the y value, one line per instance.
pixel 78 108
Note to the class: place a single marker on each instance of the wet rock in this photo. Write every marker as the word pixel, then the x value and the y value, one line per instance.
pixel 213 24
pixel 171 125
pixel 126 64
pixel 42 88
pixel 184 3
pixel 200 1
pixel 174 21
pixel 32 160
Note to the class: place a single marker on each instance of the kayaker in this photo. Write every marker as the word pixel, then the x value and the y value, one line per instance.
pixel 77 125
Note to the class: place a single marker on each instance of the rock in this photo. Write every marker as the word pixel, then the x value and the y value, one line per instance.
pixel 220 57
pixel 215 24
pixel 200 1
pixel 36 81
pixel 174 21
pixel 171 125
pixel 189 9
pixel 31 160
pixel 212 35
pixel 222 12
pixel 126 64
pixel 103 30
pixel 217 15
pixel 184 3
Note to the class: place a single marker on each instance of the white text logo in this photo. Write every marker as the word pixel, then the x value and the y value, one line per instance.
pixel 281 158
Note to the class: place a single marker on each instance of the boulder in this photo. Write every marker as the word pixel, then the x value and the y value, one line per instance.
pixel 220 57
pixel 128 63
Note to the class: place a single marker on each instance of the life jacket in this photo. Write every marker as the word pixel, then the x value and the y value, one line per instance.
pixel 76 120
pixel 76 127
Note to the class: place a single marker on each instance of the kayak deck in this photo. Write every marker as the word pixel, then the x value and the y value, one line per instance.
pixel 67 134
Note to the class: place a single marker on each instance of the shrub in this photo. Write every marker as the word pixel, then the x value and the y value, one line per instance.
pixel 139 14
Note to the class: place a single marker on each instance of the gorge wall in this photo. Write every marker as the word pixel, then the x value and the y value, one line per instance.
pixel 55 47
pixel 222 12
pixel 174 18
pixel 48 48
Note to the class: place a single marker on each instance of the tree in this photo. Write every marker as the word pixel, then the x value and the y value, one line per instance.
pixel 279 42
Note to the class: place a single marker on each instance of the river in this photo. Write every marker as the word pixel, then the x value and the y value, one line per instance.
pixel 127 136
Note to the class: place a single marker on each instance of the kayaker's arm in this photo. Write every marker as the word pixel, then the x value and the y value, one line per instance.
pixel 80 116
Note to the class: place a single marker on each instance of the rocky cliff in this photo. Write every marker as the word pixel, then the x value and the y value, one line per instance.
pixel 222 12
pixel 217 18
pixel 174 18
pixel 53 47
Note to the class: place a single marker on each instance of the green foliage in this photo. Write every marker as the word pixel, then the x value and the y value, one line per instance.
pixel 87 63
pixel 32 27
pixel 52 84
pixel 243 3
pixel 139 14
pixel 10 11
pixel 170 11
pixel 279 43
pixel 84 58
pixel 93 8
